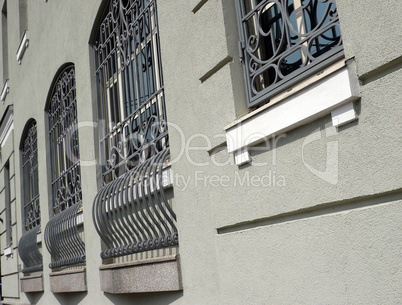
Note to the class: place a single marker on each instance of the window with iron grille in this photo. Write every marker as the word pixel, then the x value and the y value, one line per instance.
pixel 7 192
pixel 284 41
pixel 130 86
pixel 134 144
pixel 63 138
pixel 63 232
pixel 28 245
pixel 30 178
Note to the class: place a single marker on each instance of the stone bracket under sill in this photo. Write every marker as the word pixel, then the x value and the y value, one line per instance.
pixel 5 91
pixel 336 93
pixel 150 275
pixel 32 283
pixel 22 47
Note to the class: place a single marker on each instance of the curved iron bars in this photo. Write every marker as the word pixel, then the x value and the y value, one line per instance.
pixel 132 113
pixel 29 251
pixel 27 245
pixel 284 41
pixel 62 236
pixel 132 214
pixel 63 240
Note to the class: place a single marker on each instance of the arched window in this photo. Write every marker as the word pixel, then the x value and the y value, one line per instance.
pixel 134 140
pixel 29 155
pixel 28 244
pixel 63 139
pixel 62 236
pixel 130 83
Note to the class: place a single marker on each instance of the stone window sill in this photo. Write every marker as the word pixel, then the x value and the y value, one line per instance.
pixel 150 275
pixel 334 90
pixel 32 283
pixel 68 281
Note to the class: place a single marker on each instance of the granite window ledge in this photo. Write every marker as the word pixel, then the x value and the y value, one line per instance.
pixel 332 91
pixel 67 281
pixel 160 274
pixel 32 283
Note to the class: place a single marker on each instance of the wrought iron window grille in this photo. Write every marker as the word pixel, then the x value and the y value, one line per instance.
pixel 30 176
pixel 132 213
pixel 63 239
pixel 130 87
pixel 29 252
pixel 62 236
pixel 284 41
pixel 28 246
pixel 130 216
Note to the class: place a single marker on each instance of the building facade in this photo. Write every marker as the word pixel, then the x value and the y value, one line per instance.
pixel 200 152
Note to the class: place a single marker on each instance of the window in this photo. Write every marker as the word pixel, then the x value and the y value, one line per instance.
pixel 30 179
pixel 285 41
pixel 62 235
pixel 23 15
pixel 63 139
pixel 23 27
pixel 9 223
pixel 130 84
pixel 28 245
pixel 134 141
pixel 4 36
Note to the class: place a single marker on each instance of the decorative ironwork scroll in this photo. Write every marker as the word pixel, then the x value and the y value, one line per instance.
pixel 132 213
pixel 63 239
pixel 129 77
pixel 29 251
pixel 62 235
pixel 284 41
pixel 28 246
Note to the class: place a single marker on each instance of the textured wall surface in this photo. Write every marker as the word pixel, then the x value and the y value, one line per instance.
pixel 269 232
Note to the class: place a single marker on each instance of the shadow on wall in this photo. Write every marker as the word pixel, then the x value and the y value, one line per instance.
pixel 71 298
pixel 164 298
pixel 34 298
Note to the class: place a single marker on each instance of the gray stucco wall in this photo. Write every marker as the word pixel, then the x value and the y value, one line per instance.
pixel 286 237
pixel 297 238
